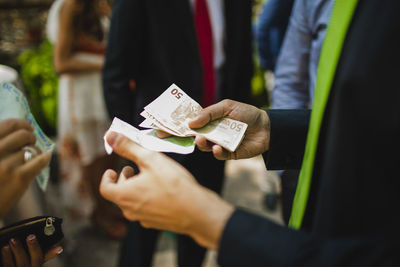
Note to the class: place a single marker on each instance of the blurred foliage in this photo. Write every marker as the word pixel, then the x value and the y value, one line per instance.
pixel 259 93
pixel 41 82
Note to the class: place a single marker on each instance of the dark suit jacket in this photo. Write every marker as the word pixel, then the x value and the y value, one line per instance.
pixel 153 42
pixel 352 215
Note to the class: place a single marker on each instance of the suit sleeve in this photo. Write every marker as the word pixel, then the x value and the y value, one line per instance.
pixel 288 138
pixel 123 57
pixel 251 240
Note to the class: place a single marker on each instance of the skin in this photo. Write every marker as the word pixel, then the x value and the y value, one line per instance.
pixel 166 196
pixel 15 173
pixel 64 60
pixel 14 255
pixel 15 177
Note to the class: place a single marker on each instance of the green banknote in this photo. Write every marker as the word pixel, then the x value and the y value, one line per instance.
pixel 13 105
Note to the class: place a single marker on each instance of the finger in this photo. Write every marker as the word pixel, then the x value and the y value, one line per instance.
pixel 12 125
pixel 162 134
pixel 33 167
pixel 7 257
pixel 52 253
pixel 128 149
pixel 21 258
pixel 108 186
pixel 17 158
pixel 203 144
pixel 210 113
pixel 221 153
pixel 126 173
pixel 35 251
pixel 16 141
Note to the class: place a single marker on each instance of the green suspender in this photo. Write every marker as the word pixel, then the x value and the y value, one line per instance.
pixel 340 19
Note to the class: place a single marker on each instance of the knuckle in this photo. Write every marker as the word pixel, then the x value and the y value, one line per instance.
pixel 145 224
pixel 27 135
pixel 130 216
pixel 10 124
pixel 227 102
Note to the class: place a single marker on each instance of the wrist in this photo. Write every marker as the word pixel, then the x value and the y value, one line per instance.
pixel 265 124
pixel 210 219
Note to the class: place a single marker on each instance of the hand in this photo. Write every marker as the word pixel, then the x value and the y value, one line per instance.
pixel 256 137
pixel 15 255
pixel 15 173
pixel 164 195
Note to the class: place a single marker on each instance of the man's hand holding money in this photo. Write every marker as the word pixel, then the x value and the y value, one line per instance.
pixel 256 138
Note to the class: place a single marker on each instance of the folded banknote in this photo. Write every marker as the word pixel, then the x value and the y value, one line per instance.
pixel 149 139
pixel 173 109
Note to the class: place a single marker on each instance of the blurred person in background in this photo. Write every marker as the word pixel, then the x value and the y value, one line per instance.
pixel 78 28
pixel 204 46
pixel 16 174
pixel 269 34
pixel 296 72
pixel 270 31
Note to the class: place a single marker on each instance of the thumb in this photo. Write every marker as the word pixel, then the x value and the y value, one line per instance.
pixel 211 113
pixel 128 149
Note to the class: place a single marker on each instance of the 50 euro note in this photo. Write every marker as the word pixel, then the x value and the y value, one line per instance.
pixel 172 111
pixel 148 139
pixel 13 105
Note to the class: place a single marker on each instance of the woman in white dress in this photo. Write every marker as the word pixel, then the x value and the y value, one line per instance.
pixel 78 30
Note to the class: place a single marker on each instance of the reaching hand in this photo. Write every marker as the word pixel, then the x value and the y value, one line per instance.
pixel 164 195
pixel 16 173
pixel 256 137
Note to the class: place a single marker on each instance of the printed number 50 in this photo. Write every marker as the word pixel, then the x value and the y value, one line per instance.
pixel 176 93
pixel 236 126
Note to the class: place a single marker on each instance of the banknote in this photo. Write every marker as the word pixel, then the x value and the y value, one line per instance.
pixel 149 139
pixel 13 105
pixel 153 123
pixel 172 111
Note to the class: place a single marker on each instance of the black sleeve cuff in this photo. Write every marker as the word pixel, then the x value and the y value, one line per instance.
pixel 252 240
pixel 288 138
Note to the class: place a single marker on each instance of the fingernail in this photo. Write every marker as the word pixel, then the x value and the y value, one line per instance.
pixel 6 247
pixel 60 251
pixel 112 137
pixel 31 238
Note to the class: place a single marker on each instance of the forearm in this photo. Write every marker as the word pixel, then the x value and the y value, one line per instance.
pixel 74 65
pixel 251 240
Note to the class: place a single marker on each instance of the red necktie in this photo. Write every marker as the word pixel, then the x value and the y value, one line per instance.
pixel 205 41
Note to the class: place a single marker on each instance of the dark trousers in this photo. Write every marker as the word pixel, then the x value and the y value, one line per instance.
pixel 138 246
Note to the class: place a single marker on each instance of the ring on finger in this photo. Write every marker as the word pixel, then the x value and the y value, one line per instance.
pixel 29 153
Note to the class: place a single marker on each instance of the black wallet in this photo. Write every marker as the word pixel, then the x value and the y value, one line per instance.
pixel 47 230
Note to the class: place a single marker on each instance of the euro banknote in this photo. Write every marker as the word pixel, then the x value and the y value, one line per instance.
pixel 13 105
pixel 149 139
pixel 172 111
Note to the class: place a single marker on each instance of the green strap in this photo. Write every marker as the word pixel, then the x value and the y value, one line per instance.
pixel 340 19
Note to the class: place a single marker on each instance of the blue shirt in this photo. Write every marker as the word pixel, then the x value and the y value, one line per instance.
pixel 296 69
pixel 271 29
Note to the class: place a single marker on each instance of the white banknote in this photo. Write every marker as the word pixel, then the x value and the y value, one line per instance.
pixel 13 105
pixel 172 111
pixel 149 139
